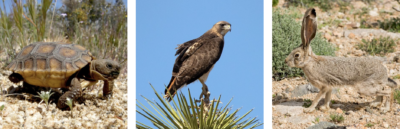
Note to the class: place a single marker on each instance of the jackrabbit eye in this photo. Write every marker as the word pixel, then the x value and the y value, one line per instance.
pixel 296 55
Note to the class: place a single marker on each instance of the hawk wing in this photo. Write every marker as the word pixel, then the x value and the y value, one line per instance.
pixel 196 57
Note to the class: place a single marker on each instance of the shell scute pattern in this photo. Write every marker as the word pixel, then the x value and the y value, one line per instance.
pixel 50 61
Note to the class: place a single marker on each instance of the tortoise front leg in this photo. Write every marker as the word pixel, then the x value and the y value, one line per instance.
pixel 108 88
pixel 73 93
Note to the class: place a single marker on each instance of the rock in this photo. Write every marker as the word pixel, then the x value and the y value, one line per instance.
pixel 358 4
pixel 338 34
pixel 307 89
pixel 292 108
pixel 300 119
pixel 364 116
pixel 374 12
pixel 375 32
pixel 349 113
pixel 386 125
pixel 327 36
pixel 367 109
pixel 338 110
pixel 337 105
pixel 358 53
pixel 322 125
pixel 352 35
pixel 353 25
pixel 395 59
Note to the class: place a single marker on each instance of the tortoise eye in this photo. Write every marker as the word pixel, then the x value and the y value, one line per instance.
pixel 109 66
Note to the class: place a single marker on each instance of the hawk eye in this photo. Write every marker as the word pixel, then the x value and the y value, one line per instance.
pixel 222 24
pixel 296 55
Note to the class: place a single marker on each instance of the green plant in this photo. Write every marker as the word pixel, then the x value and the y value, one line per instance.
pixel 2 107
pixel 397 96
pixel 324 5
pixel 392 25
pixel 396 76
pixel 45 95
pixel 378 46
pixel 70 104
pixel 333 101
pixel 316 120
pixel 187 114
pixel 336 118
pixel 286 37
pixel 307 103
pixel 275 3
pixel 369 125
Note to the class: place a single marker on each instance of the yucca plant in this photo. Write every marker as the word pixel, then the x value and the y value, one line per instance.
pixel 188 115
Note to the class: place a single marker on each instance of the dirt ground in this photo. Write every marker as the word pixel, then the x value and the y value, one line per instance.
pixel 23 110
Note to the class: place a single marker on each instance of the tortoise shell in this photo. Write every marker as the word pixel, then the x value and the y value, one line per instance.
pixel 50 64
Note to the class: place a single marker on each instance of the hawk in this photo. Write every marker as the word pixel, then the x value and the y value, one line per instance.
pixel 197 58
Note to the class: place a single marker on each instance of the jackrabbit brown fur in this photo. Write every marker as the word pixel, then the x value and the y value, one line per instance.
pixel 367 75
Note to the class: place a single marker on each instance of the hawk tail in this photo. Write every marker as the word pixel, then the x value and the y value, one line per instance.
pixel 171 88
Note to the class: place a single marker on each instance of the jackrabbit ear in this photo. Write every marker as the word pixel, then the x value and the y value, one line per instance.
pixel 309 27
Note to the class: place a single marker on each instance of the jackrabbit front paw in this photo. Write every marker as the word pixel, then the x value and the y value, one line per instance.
pixel 308 110
pixel 384 110
pixel 324 108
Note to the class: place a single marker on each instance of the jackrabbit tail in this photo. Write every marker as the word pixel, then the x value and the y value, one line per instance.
pixel 367 75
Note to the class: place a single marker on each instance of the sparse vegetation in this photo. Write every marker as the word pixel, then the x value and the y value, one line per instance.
pixel 369 125
pixel 103 30
pixel 275 3
pixel 392 24
pixel 316 120
pixel 396 76
pixel 45 95
pixel 70 104
pixel 322 4
pixel 336 118
pixel 397 95
pixel 378 46
pixel 307 103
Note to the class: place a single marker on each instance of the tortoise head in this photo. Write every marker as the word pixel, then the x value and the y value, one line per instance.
pixel 103 69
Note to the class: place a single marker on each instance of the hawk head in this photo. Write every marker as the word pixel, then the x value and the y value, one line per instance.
pixel 222 27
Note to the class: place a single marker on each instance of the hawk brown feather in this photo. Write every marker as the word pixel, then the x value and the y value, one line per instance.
pixel 197 57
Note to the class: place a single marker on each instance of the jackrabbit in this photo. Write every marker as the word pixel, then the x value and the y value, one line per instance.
pixel 367 75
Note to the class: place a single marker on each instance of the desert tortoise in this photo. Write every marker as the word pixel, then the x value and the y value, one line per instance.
pixel 61 65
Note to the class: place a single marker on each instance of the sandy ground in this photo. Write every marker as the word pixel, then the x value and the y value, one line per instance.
pixel 22 110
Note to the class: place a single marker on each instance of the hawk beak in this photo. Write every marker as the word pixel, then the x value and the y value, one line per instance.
pixel 227 27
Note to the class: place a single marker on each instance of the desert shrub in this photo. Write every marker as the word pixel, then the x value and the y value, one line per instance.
pixel 286 36
pixel 397 96
pixel 275 3
pixel 100 26
pixel 392 24
pixel 337 118
pixel 325 5
pixel 378 46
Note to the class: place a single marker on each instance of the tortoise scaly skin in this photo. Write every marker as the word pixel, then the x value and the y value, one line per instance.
pixel 62 65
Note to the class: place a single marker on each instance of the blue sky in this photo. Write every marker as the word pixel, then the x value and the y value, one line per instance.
pixel 8 3
pixel 162 25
